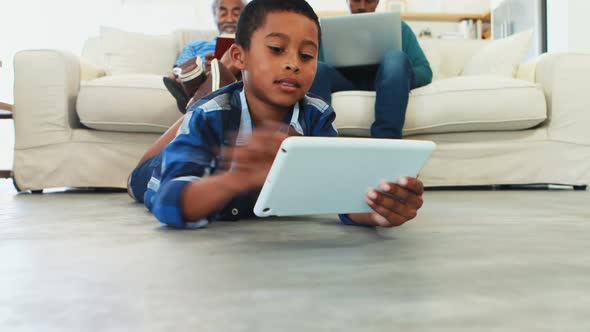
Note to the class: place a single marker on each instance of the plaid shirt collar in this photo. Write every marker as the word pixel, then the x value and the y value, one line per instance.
pixel 246 126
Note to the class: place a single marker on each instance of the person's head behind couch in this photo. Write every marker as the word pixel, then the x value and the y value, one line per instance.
pixel 277 45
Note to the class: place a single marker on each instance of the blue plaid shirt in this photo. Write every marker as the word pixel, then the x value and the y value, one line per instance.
pixel 193 154
pixel 196 48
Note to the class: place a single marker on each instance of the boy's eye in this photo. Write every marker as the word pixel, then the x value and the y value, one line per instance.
pixel 307 57
pixel 277 50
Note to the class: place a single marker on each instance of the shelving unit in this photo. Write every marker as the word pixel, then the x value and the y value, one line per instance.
pixel 479 19
pixel 446 17
pixel 432 17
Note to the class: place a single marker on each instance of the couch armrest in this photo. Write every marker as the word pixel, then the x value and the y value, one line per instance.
pixel 46 84
pixel 563 77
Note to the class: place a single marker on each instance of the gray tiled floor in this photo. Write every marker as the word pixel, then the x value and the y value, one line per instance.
pixel 502 261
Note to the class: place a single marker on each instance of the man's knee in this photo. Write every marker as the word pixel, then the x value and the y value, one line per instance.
pixel 396 58
pixel 395 67
pixel 396 62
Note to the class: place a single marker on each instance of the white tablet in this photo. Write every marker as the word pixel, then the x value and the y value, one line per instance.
pixel 329 175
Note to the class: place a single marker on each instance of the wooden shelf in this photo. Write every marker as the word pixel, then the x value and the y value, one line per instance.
pixel 433 17
pixel 328 13
pixel 446 17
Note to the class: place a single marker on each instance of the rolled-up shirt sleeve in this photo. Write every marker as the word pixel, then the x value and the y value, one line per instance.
pixel 188 158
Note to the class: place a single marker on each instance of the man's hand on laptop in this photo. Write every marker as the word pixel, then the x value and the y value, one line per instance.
pixel 394 204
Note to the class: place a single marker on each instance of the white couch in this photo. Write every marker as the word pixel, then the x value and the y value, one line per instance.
pixel 86 121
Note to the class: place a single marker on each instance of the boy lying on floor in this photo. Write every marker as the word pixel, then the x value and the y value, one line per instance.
pixel 223 150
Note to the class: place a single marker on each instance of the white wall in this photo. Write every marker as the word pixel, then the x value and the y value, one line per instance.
pixel 557 26
pixel 467 6
pixel 579 26
pixel 568 26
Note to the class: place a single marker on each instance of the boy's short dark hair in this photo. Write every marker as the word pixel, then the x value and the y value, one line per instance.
pixel 254 16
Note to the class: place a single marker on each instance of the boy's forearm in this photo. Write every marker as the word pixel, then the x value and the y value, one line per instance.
pixel 202 198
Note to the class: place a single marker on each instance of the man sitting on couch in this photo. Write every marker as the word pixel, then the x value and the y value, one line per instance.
pixel 392 79
pixel 226 14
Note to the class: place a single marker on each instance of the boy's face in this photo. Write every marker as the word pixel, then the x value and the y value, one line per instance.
pixel 281 63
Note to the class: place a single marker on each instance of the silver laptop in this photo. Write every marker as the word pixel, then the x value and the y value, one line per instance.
pixel 360 39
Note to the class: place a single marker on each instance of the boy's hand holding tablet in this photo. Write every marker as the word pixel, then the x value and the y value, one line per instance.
pixel 367 181
pixel 390 211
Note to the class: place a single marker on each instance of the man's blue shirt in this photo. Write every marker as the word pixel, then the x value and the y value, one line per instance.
pixel 195 152
pixel 196 48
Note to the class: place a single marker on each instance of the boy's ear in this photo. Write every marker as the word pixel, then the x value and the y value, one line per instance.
pixel 237 56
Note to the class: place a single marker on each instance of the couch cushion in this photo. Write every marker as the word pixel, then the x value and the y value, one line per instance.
pixel 460 104
pixel 137 53
pixel 448 57
pixel 500 57
pixel 127 103
pixel 185 36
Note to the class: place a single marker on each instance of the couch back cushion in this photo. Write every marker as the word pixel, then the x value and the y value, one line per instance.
pixel 121 52
pixel 137 53
pixel 92 52
pixel 500 57
pixel 185 36
pixel 447 57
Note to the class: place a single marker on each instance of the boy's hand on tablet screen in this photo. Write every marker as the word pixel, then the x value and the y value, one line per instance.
pixel 251 163
pixel 394 204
